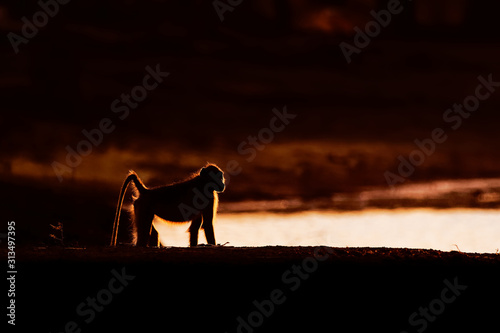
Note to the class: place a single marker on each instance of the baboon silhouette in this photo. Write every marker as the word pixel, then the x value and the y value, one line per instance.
pixel 194 199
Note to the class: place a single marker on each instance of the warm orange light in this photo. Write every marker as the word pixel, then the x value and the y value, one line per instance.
pixel 472 230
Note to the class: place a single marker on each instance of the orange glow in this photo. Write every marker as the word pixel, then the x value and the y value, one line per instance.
pixel 329 20
pixel 471 230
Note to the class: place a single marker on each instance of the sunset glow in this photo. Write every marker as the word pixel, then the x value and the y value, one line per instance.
pixel 446 230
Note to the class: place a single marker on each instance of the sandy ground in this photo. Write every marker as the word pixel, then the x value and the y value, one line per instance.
pixel 275 289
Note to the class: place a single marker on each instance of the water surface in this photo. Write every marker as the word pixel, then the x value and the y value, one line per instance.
pixel 469 230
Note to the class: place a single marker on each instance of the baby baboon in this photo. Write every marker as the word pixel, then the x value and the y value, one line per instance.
pixel 194 199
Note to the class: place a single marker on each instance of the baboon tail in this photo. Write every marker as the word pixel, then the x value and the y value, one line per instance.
pixel 139 185
pixel 132 176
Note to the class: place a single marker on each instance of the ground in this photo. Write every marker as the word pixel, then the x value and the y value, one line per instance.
pixel 228 289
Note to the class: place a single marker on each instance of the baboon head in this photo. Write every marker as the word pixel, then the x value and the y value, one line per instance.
pixel 214 176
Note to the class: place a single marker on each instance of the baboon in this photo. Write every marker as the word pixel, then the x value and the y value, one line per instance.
pixel 194 199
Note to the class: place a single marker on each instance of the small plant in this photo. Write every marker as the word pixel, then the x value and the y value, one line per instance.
pixel 59 228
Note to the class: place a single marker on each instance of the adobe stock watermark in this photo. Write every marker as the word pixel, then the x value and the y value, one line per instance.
pixel 425 315
pixel 222 6
pixel 120 106
pixel 292 280
pixel 48 9
pixel 362 39
pixel 453 116
pixel 250 146
pixel 88 309
pixel 11 272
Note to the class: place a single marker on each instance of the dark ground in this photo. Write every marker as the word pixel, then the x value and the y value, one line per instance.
pixel 206 289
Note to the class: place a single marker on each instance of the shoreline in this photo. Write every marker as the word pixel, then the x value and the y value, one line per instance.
pixel 168 254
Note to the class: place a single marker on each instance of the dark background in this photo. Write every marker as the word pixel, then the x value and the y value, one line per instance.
pixel 353 120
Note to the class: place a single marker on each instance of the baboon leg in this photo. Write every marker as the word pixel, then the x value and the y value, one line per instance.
pixel 209 233
pixel 143 223
pixel 153 238
pixel 193 231
pixel 209 229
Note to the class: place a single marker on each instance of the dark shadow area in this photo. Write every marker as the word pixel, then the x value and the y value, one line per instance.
pixel 209 288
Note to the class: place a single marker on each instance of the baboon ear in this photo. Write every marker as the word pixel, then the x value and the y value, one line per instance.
pixel 203 170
